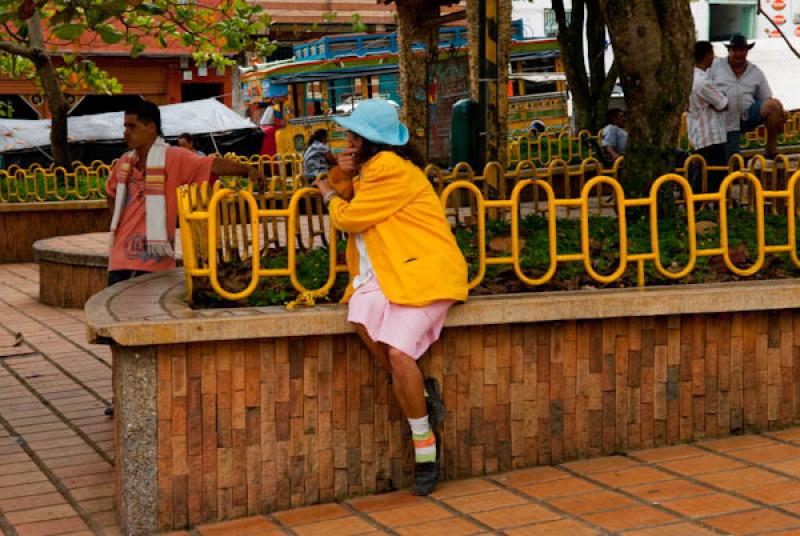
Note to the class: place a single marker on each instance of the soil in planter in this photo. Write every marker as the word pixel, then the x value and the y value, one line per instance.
pixel 534 257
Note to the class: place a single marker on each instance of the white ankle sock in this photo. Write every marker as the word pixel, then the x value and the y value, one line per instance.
pixel 419 426
pixel 424 440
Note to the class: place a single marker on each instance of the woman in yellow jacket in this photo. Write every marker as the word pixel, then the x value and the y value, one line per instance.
pixel 406 269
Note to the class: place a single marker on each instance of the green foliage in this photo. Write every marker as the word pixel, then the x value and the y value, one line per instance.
pixel 215 33
pixel 358 26
pixel 58 188
pixel 312 273
pixel 6 109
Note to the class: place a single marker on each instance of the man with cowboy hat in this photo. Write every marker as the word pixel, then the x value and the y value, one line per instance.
pixel 750 98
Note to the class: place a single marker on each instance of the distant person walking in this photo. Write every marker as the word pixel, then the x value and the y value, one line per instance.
pixel 141 193
pixel 615 138
pixel 750 101
pixel 318 157
pixel 705 120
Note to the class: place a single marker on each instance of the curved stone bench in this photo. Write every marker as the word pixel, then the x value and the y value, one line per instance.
pixel 22 224
pixel 231 412
pixel 73 268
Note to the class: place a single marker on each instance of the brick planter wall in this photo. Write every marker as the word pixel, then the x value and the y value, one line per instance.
pixel 22 224
pixel 272 422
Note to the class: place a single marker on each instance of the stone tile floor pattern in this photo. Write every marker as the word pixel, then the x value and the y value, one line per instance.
pixel 56 464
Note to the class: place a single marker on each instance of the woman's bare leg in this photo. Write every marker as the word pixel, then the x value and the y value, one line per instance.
pixel 407 384
pixel 377 349
pixel 407 381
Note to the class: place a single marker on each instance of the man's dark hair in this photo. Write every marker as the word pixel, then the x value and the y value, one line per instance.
pixel 146 112
pixel 188 137
pixel 612 114
pixel 701 50
pixel 319 135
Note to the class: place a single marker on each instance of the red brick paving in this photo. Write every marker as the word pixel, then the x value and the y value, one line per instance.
pixel 56 480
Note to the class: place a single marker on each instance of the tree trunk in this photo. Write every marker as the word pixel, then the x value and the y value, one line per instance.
pixel 503 60
pixel 653 42
pixel 489 75
pixel 58 110
pixel 416 23
pixel 52 90
pixel 590 92
pixel 474 36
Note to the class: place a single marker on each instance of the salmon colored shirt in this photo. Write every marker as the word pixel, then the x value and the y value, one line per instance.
pixel 129 252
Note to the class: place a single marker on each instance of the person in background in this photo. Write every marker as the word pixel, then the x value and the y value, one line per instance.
pixel 318 157
pixel 615 138
pixel 267 118
pixel 141 195
pixel 750 101
pixel 271 120
pixel 186 141
pixel 705 120
pixel 537 128
pixel 406 268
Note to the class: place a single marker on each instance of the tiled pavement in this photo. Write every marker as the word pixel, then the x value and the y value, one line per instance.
pixel 55 464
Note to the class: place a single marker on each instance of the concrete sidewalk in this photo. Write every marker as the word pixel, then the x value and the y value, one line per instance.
pixel 56 464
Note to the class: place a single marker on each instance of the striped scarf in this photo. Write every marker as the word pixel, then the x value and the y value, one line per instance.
pixel 158 244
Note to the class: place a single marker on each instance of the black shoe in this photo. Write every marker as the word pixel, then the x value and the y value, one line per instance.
pixel 109 411
pixel 425 476
pixel 434 405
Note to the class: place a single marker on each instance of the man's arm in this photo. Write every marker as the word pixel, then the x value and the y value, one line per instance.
pixel 763 91
pixel 713 96
pixel 610 141
pixel 225 168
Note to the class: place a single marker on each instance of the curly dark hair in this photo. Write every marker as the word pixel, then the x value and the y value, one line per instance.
pixel 370 148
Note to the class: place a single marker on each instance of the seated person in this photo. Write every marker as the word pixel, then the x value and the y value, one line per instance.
pixel 750 100
pixel 614 136
pixel 537 128
pixel 318 157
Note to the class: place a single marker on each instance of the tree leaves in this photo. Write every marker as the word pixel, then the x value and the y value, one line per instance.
pixel 152 9
pixel 69 32
pixel 214 31
pixel 137 50
pixel 109 34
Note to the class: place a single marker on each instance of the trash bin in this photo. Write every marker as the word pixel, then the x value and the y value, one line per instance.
pixel 465 133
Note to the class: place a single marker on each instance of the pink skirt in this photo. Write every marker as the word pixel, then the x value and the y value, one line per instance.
pixel 409 329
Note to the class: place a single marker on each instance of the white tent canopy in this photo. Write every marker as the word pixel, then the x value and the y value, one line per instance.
pixel 195 117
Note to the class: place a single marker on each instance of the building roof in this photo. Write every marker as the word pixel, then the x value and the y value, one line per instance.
pixel 321 12
pixel 334 16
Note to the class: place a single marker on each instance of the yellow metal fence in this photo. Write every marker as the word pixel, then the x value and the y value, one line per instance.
pixel 240 225
pixel 38 184
pixel 566 145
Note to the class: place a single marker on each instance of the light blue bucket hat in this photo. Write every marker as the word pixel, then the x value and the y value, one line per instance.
pixel 376 120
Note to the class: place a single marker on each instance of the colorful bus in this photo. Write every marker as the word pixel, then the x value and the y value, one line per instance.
pixel 332 74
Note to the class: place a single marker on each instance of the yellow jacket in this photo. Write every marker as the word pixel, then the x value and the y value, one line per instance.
pixel 408 238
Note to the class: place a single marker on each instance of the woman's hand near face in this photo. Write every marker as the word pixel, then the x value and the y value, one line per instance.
pixel 347 161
